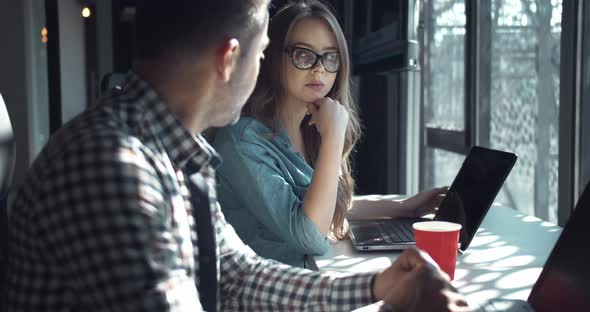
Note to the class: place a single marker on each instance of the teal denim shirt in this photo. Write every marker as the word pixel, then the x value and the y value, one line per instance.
pixel 261 185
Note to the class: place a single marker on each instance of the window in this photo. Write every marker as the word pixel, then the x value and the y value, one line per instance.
pixel 509 99
pixel 443 47
pixel 440 175
pixel 524 99
pixel 444 106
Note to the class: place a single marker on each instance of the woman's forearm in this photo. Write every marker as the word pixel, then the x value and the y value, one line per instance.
pixel 320 200
pixel 377 206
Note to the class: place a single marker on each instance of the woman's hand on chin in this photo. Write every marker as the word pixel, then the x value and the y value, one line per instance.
pixel 330 118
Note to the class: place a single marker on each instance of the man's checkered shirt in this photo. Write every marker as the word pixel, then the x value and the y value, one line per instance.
pixel 103 222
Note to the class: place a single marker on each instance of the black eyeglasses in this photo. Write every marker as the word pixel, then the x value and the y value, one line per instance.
pixel 303 58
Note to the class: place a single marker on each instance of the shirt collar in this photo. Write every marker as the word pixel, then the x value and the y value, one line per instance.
pixel 281 134
pixel 180 145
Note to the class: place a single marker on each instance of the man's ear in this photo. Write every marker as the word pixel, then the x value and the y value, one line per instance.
pixel 227 58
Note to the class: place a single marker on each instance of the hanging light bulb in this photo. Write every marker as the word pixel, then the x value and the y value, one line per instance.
pixel 86 12
pixel 44 35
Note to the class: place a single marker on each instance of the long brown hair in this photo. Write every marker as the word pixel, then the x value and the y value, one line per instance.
pixel 270 91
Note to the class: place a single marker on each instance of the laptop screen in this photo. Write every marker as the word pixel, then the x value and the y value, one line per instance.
pixel 564 284
pixel 474 189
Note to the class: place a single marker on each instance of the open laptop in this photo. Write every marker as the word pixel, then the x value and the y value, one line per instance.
pixel 467 201
pixel 564 283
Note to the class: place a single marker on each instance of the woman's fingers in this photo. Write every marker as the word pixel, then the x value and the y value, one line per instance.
pixel 312 110
pixel 330 118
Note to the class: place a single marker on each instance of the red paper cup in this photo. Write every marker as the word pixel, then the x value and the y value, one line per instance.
pixel 440 240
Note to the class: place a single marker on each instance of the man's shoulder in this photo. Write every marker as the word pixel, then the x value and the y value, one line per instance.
pixel 94 153
pixel 100 134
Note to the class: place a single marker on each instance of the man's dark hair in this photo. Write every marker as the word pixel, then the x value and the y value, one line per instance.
pixel 189 27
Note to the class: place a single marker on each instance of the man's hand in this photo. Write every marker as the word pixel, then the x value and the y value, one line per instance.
pixel 415 283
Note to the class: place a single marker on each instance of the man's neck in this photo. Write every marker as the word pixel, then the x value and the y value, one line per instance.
pixel 185 99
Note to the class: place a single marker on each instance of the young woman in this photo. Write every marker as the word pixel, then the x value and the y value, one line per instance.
pixel 285 182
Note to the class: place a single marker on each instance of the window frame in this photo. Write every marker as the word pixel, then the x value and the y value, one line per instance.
pixel 585 96
pixel 570 106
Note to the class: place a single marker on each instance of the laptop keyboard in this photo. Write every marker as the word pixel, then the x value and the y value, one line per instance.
pixel 397 232
pixel 384 232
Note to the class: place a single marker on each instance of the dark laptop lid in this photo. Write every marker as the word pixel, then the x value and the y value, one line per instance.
pixel 474 189
pixel 564 283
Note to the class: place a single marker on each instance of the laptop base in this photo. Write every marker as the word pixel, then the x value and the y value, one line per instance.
pixel 383 234
pixel 506 305
pixel 384 247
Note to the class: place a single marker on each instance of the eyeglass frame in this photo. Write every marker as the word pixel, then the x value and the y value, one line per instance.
pixel 318 57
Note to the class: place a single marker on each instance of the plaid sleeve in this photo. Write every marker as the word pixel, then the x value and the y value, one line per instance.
pixel 249 282
pixel 109 223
